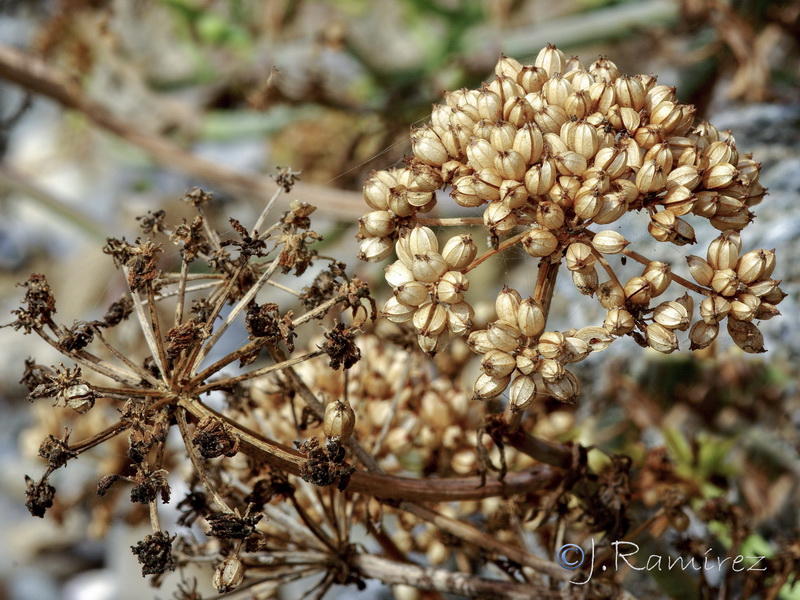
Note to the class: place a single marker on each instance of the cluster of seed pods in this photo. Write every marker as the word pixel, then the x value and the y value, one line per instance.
pixel 554 155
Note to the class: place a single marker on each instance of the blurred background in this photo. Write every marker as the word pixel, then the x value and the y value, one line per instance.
pixel 110 109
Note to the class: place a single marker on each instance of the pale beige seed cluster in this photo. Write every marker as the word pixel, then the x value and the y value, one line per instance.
pixel 553 154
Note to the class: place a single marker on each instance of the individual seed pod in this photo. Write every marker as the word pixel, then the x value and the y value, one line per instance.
pixel 451 137
pixel 649 135
pixel 766 311
pixel 228 574
pixel 459 317
pixel 658 94
pixel 578 104
pixel 532 78
pixel 687 302
pixel 550 370
pixel 597 339
pixel 719 176
pixel 487 387
pixel 638 290
pixel 745 307
pixel 376 191
pixel 451 287
pixel 579 256
pixel 412 293
pixel 513 194
pixel 502 136
pixel 427 147
pixel 459 252
pixel 530 317
pixel 550 118
pixel 672 315
pixel 432 344
pixel 506 305
pixel 483 129
pixel 397 313
pixel 618 322
pixel 660 338
pixel 497 364
pixel 584 140
pixel 725 282
pixel 578 75
pixel 479 342
pixel 375 249
pixel 339 421
pixel 611 160
pixel 714 309
pixel 651 177
pixel 527 361
pixel 556 90
pixel 564 191
pixel 428 267
pixel 486 184
pixel 609 242
pixel 570 163
pixel 401 248
pixel 481 154
pixel 719 152
pixel 529 142
pixel 586 281
pixel 506 88
pixel 610 294
pixel 503 336
pixel 422 240
pixel 747 336
pixel 489 105
pixel 79 397
pixel 575 349
pixel 755 265
pixel 604 70
pixel 702 334
pixel 659 275
pixel 728 206
pixel 507 67
pixel 464 192
pixel 767 290
pixel 612 207
pixel 664 226
pixel 424 178
pixel 430 319
pixel 555 143
pixel 522 393
pixel 509 164
pixel 539 242
pixel 700 270
pixel 551 344
pixel 440 115
pixel 399 204
pixel 517 111
pixel 687 176
pixel 661 155
pixel 630 92
pixel 549 215
pixel 735 222
pixel 669 116
pixel 629 119
pixel 540 178
pixel 706 202
pixel 551 60
pixel 679 201
pixel 499 218
pixel 565 389
pixel 587 203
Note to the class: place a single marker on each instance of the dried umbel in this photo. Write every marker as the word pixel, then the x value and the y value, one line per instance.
pixel 558 155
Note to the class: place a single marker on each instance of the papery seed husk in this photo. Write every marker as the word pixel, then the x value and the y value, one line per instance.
pixel 609 242
pixel 671 315
pixel 618 321
pixel 766 311
pixel 725 282
pixel 481 154
pixel 513 194
pixel 451 287
pixel 502 136
pixel 746 335
pixel 529 142
pixel 430 319
pixel 464 192
pixel 375 249
pixel 566 389
pixel 428 267
pixel 499 218
pixel 398 203
pixel 723 251
pixel 412 293
pixel 586 280
pixel 575 350
pixel 503 336
pixel 488 387
pixel 459 318
pixel 540 178
pixel 549 215
pixel 745 307
pixel 428 148
pixel 228 574
pixel 755 265
pixel 539 242
pixel 702 334
pixel 376 193
pixel 659 275
pixel 486 184
pixel 497 364
pixel 551 344
pixel 570 163
pixel 522 392
pixel 714 309
pixel 679 201
pixel 432 344
pixel 396 312
pixel 339 421
pixel 579 256
pixel 700 270
pixel 660 338
pixel 735 222
pixel 610 295
pixel 719 176
pixel 597 338
pixel 506 305
pixel 459 251
pixel 551 60
pixel 479 342
pixel 422 240
pixel 550 370
pixel 530 317
pixel 638 290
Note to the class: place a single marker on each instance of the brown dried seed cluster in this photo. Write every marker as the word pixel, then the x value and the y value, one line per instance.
pixel 551 151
